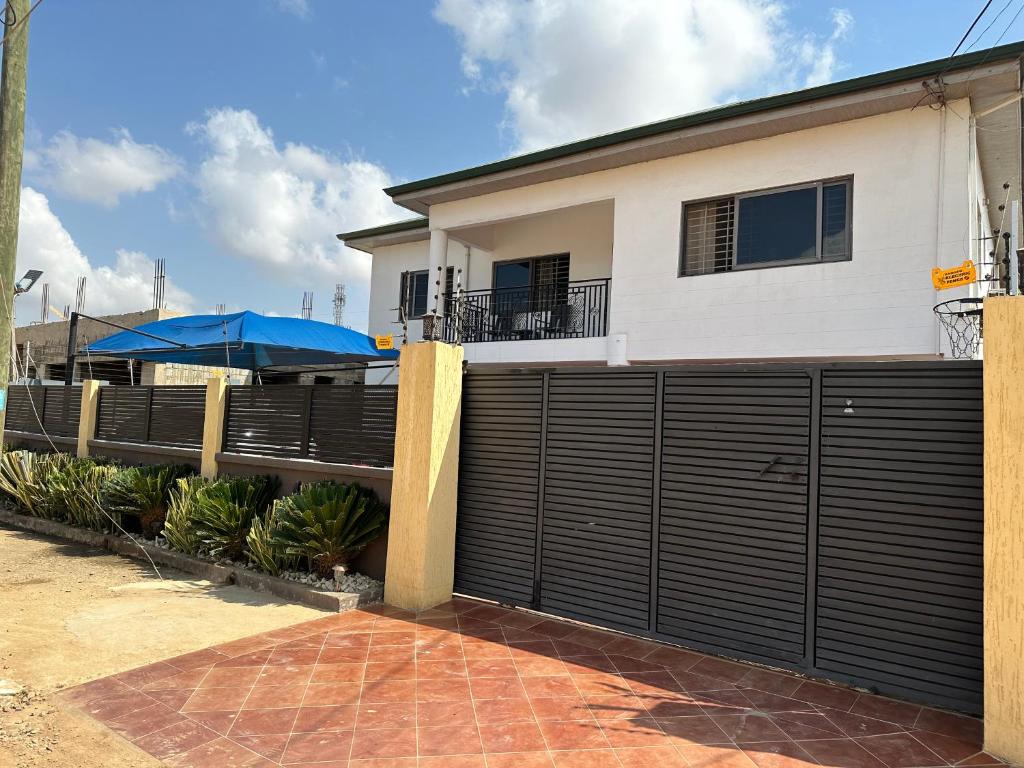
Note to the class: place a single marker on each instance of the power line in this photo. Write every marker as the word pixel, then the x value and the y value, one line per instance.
pixel 971 28
pixel 11 29
pixel 990 25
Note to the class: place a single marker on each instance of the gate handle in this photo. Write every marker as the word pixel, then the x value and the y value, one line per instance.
pixel 792 477
pixel 767 467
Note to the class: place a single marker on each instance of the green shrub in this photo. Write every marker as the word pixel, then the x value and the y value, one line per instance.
pixel 328 524
pixel 24 478
pixel 74 492
pixel 260 547
pixel 143 493
pixel 225 511
pixel 179 525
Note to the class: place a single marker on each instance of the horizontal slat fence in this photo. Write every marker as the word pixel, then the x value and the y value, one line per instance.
pixel 825 518
pixel 56 409
pixel 171 416
pixel 336 424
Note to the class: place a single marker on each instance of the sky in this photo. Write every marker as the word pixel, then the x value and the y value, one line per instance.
pixel 235 138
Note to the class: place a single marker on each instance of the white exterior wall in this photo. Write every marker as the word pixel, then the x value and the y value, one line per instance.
pixel 879 303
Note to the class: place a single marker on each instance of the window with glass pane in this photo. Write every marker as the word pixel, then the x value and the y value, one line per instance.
pixel 777 226
pixel 834 226
pixel 772 228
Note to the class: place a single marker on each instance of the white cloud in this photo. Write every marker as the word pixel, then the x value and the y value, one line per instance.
pixel 574 68
pixel 298 8
pixel 101 172
pixel 44 243
pixel 281 206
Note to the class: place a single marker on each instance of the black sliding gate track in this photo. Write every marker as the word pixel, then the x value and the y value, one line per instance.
pixel 820 518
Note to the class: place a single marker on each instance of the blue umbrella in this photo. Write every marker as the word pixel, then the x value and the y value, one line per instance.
pixel 243 340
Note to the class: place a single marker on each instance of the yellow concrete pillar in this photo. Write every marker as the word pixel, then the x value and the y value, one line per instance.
pixel 1004 527
pixel 213 425
pixel 421 535
pixel 87 416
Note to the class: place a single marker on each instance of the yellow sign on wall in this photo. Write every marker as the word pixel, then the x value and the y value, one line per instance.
pixel 954 277
pixel 386 342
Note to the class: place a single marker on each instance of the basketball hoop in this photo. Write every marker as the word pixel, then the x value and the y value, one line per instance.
pixel 962 319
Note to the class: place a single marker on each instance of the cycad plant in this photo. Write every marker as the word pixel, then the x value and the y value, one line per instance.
pixel 24 477
pixel 225 510
pixel 143 493
pixel 179 526
pixel 261 549
pixel 328 524
pixel 74 492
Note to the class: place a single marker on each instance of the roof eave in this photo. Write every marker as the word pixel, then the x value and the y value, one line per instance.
pixel 405 194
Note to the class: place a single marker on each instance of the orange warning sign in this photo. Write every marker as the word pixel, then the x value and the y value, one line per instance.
pixel 954 277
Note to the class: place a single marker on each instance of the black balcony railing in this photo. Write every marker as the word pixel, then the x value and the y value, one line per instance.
pixel 561 310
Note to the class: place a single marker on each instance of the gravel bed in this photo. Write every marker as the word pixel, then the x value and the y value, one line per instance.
pixel 350 582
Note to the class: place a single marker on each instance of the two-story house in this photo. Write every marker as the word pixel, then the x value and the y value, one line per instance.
pixel 798 226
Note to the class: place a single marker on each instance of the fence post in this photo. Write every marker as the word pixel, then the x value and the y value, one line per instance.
pixel 1004 528
pixel 87 416
pixel 421 535
pixel 213 425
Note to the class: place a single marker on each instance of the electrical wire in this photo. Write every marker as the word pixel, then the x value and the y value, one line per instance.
pixel 971 28
pixel 8 308
pixel 18 22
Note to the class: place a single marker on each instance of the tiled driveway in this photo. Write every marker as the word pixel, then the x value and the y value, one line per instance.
pixel 471 685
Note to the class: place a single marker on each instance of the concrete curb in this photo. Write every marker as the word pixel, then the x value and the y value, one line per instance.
pixel 292 591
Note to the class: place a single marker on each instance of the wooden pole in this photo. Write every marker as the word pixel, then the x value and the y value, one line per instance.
pixel 12 145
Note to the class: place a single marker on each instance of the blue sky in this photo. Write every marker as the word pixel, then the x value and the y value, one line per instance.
pixel 234 138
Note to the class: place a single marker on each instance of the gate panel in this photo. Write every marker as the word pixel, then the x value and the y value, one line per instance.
pixel 733 532
pixel 596 552
pixel 900 536
pixel 498 485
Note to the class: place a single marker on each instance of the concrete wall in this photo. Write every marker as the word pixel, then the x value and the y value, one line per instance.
pixel 905 221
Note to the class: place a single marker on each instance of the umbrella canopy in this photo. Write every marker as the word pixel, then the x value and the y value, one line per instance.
pixel 243 340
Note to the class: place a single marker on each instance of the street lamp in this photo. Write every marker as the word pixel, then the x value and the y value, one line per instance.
pixel 25 284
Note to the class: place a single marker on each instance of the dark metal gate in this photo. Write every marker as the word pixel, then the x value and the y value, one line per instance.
pixel 821 518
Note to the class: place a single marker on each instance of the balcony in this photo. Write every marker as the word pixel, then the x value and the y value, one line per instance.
pixel 560 310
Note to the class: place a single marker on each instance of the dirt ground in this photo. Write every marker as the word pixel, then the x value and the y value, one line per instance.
pixel 70 613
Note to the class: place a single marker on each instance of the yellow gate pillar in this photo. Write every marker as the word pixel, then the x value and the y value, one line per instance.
pixel 87 416
pixel 421 534
pixel 213 425
pixel 1004 527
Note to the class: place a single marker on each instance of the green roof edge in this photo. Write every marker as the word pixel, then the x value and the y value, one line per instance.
pixel 738 109
pixel 385 229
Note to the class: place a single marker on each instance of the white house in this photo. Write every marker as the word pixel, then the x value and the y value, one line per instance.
pixel 797 226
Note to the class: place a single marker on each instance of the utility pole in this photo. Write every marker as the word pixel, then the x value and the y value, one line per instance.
pixel 12 146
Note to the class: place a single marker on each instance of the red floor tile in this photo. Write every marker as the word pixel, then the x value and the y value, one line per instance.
pixel 329 718
pixel 651 757
pixel 326 694
pixel 449 740
pixel 392 742
pixel 318 747
pixel 175 739
pixel 562 708
pixel 260 722
pixel 900 750
pixel 497 711
pixel 216 700
pixel 841 752
pixel 470 685
pixel 144 721
pixel 392 715
pixel 777 754
pixel 437 713
pixel 274 696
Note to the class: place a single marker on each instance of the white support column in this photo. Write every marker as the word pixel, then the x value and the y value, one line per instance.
pixel 438 264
